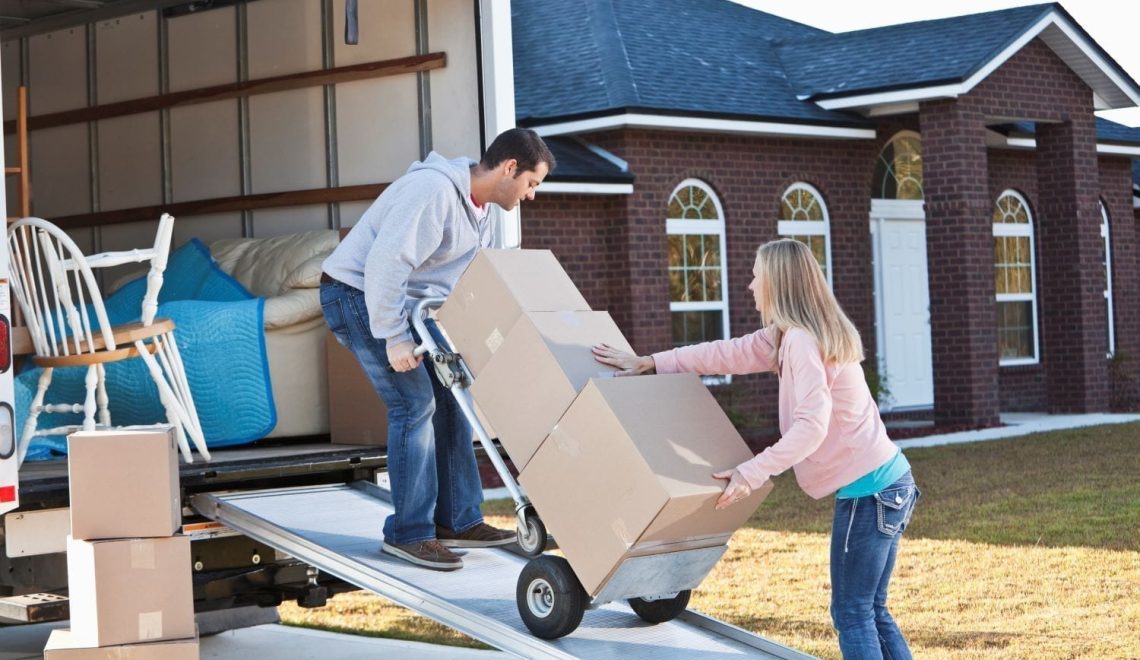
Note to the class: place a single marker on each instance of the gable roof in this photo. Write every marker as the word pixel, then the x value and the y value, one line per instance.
pixel 579 162
pixel 945 57
pixel 699 57
pixel 716 58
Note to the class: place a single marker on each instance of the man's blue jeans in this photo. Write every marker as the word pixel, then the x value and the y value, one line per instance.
pixel 431 458
pixel 865 535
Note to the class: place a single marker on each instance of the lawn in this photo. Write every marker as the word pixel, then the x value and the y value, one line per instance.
pixel 1022 548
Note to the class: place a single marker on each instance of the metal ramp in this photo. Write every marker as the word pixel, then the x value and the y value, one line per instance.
pixel 337 529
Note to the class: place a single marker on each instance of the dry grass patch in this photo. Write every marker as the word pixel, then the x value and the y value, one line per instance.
pixel 1025 548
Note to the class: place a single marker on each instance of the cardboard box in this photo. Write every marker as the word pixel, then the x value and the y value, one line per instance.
pixel 543 364
pixel 357 414
pixel 116 473
pixel 628 471
pixel 494 291
pixel 61 645
pixel 130 590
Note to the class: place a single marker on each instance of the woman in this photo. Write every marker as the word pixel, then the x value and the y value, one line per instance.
pixel 831 434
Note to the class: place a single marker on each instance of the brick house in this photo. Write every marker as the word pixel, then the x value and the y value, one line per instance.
pixel 974 216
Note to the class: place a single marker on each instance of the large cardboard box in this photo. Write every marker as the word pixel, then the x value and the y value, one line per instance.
pixel 124 483
pixel 628 471
pixel 357 414
pixel 543 364
pixel 130 590
pixel 494 291
pixel 61 646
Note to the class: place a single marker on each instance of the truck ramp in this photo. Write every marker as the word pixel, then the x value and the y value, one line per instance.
pixel 337 529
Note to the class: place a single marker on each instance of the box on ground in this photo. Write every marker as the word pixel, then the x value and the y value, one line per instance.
pixel 497 287
pixel 357 415
pixel 130 590
pixel 544 363
pixel 628 471
pixel 61 646
pixel 124 483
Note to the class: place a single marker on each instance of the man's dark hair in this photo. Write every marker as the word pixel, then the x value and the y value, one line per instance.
pixel 521 144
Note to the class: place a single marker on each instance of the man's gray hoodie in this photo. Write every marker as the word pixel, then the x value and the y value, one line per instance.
pixel 412 243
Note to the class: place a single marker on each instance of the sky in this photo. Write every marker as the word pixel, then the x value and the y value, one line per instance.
pixel 1113 24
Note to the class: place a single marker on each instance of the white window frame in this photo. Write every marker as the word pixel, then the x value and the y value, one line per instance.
pixel 1105 233
pixel 809 227
pixel 705 228
pixel 1006 229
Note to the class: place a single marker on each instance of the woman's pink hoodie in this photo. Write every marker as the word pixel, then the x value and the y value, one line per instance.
pixel 830 428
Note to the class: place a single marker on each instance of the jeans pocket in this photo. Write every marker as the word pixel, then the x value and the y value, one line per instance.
pixel 894 506
pixel 333 310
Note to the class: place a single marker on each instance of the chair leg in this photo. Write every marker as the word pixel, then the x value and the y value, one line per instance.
pixel 92 382
pixel 33 416
pixel 171 360
pixel 101 397
pixel 175 413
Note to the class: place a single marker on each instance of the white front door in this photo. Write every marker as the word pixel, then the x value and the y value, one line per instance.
pixel 902 303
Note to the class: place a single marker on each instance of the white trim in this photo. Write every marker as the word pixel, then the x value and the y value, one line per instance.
pixel 1106 234
pixel 893 109
pixel 898 209
pixel 499 100
pixel 809 227
pixel 704 227
pixel 957 89
pixel 584 188
pixel 1031 143
pixel 1021 231
pixel 1117 150
pixel 608 155
pixel 677 122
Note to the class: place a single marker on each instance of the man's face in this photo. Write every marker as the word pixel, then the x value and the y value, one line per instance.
pixel 514 186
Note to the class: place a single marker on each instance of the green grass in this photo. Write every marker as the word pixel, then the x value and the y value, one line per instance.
pixel 1021 548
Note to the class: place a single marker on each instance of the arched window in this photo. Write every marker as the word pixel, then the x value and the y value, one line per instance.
pixel 898 171
pixel 803 217
pixel 697 281
pixel 1015 275
pixel 1106 235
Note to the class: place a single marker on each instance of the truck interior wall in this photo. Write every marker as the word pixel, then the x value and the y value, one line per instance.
pixel 375 123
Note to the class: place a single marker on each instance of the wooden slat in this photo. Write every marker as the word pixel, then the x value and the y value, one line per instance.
pixel 366 192
pixel 306 79
pixel 24 189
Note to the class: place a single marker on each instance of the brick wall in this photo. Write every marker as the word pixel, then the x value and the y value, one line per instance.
pixel 615 247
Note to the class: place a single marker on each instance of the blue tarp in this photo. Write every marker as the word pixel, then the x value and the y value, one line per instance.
pixel 219 330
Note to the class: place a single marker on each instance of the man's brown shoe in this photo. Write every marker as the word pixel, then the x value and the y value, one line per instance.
pixel 429 554
pixel 479 536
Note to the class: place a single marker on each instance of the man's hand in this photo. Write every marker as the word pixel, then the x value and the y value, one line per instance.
pixel 736 490
pixel 402 358
pixel 630 364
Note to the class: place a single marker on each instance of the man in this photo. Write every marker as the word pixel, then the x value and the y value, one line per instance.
pixel 413 243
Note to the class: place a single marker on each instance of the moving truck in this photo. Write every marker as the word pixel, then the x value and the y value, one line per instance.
pixel 241 119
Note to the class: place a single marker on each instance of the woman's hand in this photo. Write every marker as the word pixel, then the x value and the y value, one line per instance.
pixel 630 364
pixel 737 488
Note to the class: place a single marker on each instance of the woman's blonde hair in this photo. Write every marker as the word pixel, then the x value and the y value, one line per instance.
pixel 795 294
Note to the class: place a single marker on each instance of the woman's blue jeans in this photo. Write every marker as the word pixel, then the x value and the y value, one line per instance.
pixel 431 457
pixel 865 535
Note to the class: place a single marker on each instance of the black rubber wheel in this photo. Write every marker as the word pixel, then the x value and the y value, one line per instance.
pixel 550 598
pixel 532 537
pixel 660 611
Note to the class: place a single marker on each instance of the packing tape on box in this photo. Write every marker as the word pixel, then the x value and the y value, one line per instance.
pixel 622 532
pixel 572 319
pixel 494 340
pixel 150 625
pixel 142 555
pixel 566 443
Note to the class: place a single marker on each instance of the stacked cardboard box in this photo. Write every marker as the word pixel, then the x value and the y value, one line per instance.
pixel 616 467
pixel 129 578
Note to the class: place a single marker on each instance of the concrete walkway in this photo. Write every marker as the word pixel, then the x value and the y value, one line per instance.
pixel 266 641
pixel 1020 424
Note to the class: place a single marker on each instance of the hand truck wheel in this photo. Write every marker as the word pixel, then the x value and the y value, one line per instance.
pixel 550 598
pixel 660 610
pixel 531 533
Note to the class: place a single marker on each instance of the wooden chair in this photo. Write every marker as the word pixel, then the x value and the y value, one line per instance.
pixel 67 320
